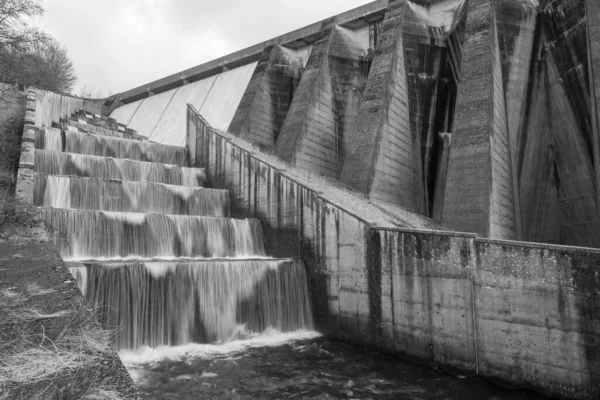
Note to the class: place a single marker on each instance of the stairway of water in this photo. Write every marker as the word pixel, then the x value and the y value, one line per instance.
pixel 154 248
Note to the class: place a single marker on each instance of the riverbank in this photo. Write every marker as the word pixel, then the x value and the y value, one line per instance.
pixel 52 346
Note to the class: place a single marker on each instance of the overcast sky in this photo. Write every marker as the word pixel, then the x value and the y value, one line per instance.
pixel 117 45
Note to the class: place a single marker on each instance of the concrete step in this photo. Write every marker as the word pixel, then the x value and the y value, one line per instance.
pixel 158 303
pixel 85 234
pixel 72 192
pixel 97 145
pixel 76 126
pixel 101 121
pixel 83 165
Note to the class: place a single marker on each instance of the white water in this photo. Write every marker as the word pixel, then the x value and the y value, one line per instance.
pixel 177 303
pixel 269 338
pixel 55 163
pixel 121 235
pixel 126 196
pixel 105 146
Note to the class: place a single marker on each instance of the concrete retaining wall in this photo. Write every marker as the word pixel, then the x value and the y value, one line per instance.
pixel 41 110
pixel 522 313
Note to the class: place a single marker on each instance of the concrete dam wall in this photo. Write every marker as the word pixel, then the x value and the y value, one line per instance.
pixel 475 113
pixel 517 312
pixel 406 155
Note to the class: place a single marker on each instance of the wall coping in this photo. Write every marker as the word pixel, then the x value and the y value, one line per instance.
pixel 535 245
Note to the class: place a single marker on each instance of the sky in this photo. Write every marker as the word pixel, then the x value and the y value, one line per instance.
pixel 117 45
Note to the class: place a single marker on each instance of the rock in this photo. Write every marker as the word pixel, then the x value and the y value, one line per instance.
pixel 349 384
pixel 17 256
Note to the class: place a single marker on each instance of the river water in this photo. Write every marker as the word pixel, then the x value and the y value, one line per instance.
pixel 298 365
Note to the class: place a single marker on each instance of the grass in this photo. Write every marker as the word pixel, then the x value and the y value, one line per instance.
pixel 57 363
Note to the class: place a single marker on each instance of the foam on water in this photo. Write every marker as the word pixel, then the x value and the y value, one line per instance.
pixel 269 338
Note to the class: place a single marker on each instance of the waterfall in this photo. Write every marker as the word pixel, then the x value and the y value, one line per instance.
pixel 54 163
pixel 136 235
pixel 157 252
pixel 173 303
pixel 128 196
pixel 105 146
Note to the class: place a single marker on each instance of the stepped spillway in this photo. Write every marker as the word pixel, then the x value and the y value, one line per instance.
pixel 55 163
pixel 174 303
pixel 128 196
pixel 104 146
pixel 152 246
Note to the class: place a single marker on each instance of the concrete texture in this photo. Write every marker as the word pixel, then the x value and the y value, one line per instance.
pixel 268 97
pixel 223 99
pixel 125 113
pixel 170 126
pixel 522 314
pixel 469 204
pixel 326 103
pixel 162 118
pixel 378 159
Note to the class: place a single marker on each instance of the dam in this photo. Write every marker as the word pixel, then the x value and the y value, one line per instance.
pixel 418 178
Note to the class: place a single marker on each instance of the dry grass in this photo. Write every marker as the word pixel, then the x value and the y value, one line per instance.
pixel 33 362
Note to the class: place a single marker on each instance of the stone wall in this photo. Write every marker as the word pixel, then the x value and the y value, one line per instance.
pixel 522 313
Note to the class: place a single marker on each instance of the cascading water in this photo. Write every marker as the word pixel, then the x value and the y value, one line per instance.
pixel 126 196
pixel 108 235
pixel 156 251
pixel 69 164
pixel 105 146
pixel 175 303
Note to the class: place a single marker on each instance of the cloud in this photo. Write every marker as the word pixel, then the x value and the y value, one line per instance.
pixel 117 45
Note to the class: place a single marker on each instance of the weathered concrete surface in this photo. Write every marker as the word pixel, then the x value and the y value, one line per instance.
pixel 150 110
pixel 378 157
pixel 125 113
pixel 224 97
pixel 526 314
pixel 162 117
pixel 268 97
pixel 301 215
pixel 326 103
pixel 424 285
pixel 537 316
pixel 483 203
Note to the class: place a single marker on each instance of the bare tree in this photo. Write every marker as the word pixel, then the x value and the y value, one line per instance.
pixel 47 65
pixel 14 30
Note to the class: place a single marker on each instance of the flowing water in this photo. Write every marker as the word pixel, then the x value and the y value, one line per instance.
pixel 200 309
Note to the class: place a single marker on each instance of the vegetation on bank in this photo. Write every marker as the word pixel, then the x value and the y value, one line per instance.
pixel 50 355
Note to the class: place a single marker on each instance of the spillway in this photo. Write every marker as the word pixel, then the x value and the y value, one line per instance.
pixel 157 251
pixel 175 303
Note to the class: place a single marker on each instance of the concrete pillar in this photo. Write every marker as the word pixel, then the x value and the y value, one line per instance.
pixel 479 192
pixel 593 30
pixel 378 158
pixel 326 102
pixel 267 99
